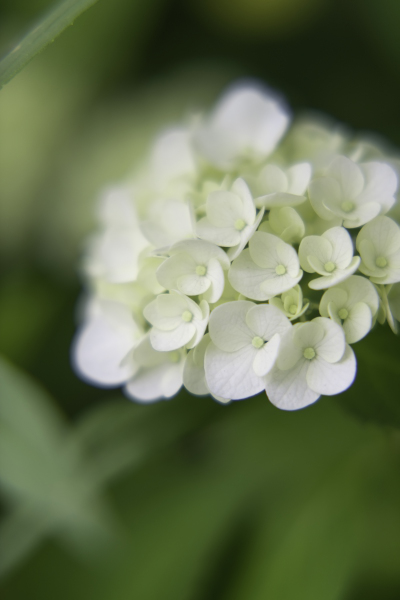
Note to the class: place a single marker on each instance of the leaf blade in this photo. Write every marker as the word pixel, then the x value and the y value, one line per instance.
pixel 41 34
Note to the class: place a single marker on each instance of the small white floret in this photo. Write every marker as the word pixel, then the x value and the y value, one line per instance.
pixel 267 268
pixel 313 359
pixel 244 347
pixel 379 246
pixel 177 321
pixel 329 255
pixel 230 219
pixel 353 304
pixel 195 267
pixel 354 193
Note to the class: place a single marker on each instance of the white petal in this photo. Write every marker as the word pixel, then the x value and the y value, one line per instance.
pixel 361 215
pixel 201 251
pixel 266 356
pixel 337 295
pixel 288 390
pixel 341 244
pixel 315 246
pixel 308 335
pixel 193 284
pixel 99 351
pixel 246 277
pixel 332 378
pixel 165 341
pixel 336 277
pixel 146 385
pixel 277 284
pixel 216 278
pixel 222 236
pixel 349 176
pixel 263 249
pixel 200 324
pixel 245 236
pixel 240 188
pixel 381 184
pixel 332 346
pixel 272 179
pixel 174 267
pixel 228 328
pixel 231 374
pixel 193 373
pixel 321 191
pixel 266 320
pixel 299 177
pixel 358 323
pixel 384 233
pixel 172 379
pixel 223 208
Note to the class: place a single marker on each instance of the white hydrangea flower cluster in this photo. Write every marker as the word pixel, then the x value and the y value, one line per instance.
pixel 244 256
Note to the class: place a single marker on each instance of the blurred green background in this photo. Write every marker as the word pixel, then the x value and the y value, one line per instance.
pixel 182 500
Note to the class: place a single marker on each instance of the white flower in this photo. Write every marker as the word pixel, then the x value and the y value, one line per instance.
pixel 354 193
pixel 285 223
pixel 102 347
pixel 379 246
pixel 195 267
pixel 329 255
pixel 177 321
pixel 313 359
pixel 291 303
pixel 246 124
pixel 245 343
pixel 230 218
pixel 267 268
pixel 352 304
pixel 159 374
pixel 114 253
pixel 275 186
pixel 168 221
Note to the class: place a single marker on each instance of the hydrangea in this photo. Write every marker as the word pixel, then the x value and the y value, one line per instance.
pixel 242 256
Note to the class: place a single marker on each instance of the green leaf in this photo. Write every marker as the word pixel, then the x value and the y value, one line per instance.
pixel 44 32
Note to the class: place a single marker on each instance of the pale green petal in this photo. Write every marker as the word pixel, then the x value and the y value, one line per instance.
pixel 349 176
pixel 246 277
pixel 315 246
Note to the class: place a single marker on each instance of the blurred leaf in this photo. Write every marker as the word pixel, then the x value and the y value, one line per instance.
pixel 44 32
pixel 42 471
pixel 374 395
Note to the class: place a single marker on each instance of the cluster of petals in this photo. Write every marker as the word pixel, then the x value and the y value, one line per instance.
pixel 226 263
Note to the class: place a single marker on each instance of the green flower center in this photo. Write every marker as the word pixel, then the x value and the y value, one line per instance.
pixel 257 342
pixel 381 262
pixel 201 270
pixel 187 316
pixel 280 270
pixel 347 206
pixel 293 309
pixel 343 313
pixel 239 224
pixel 329 266
pixel 309 353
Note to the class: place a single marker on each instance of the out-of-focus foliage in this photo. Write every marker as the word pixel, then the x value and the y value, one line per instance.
pixel 42 34
pixel 105 499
